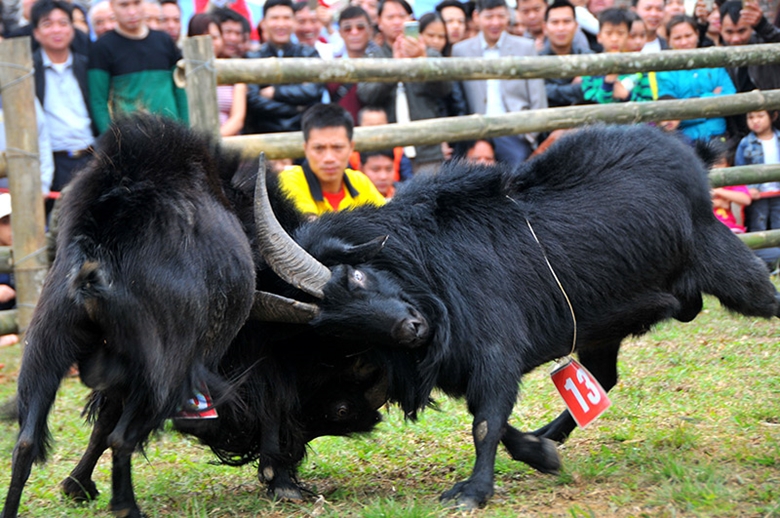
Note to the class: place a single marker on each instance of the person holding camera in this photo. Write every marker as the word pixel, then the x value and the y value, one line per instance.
pixel 405 102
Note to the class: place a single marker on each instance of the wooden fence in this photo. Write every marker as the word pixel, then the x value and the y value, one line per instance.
pixel 201 72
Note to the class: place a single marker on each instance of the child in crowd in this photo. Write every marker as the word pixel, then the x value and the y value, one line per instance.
pixel 613 34
pixel 725 200
pixel 762 146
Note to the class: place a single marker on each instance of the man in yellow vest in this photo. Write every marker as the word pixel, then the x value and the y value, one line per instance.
pixel 324 183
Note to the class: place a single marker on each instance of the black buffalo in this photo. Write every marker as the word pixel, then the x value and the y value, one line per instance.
pixel 450 274
pixel 274 391
pixel 153 278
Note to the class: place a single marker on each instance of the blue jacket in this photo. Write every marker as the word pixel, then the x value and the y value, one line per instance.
pixel 692 84
pixel 750 152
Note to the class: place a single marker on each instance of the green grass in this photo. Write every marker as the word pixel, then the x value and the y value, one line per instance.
pixel 694 430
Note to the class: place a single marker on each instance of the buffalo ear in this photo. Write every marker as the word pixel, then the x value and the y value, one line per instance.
pixel 365 251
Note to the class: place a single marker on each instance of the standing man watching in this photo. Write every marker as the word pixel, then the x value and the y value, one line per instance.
pixel 356 31
pixel 454 15
pixel 61 88
pixel 497 96
pixel 279 108
pixel 560 26
pixel 101 18
pixel 235 31
pixel 170 19
pixel 405 102
pixel 131 69
pixel 652 13
pixel 324 184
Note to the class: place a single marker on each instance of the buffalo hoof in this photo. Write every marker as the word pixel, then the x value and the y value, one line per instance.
pixel 127 512
pixel 465 496
pixel 79 491
pixel 286 493
pixel 538 452
pixel 547 460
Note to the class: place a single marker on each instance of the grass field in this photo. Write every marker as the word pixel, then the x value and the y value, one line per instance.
pixel 694 430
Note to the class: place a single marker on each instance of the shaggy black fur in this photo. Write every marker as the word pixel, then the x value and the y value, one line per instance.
pixel 622 213
pixel 152 280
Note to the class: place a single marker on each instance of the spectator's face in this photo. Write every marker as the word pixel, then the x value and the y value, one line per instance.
pixel 232 38
pixel 129 15
pixel 279 22
pixel 79 22
pixel 713 19
pixel 391 21
pixel 370 7
pixel 434 36
pixel 613 37
pixel 356 34
pixel 216 40
pixel 455 22
pixel 683 37
pixel 735 33
pixel 373 118
pixel 637 37
pixel 652 12
pixel 560 27
pixel 307 26
pixel 673 8
pixel 102 18
pixel 327 151
pixel 379 170
pixel 170 20
pixel 759 122
pixel 530 13
pixel 54 31
pixel 597 6
pixel 493 22
pixel 152 13
pixel 481 153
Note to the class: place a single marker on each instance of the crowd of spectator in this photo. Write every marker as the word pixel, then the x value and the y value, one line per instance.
pixel 95 62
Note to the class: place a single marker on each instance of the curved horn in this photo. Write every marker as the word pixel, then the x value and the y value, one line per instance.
pixel 269 307
pixel 285 257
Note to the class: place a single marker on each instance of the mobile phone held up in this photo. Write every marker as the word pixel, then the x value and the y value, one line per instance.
pixel 412 29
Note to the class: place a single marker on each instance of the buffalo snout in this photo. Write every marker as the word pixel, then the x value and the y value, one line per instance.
pixel 411 331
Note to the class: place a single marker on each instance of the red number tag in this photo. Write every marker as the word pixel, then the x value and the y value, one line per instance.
pixel 583 395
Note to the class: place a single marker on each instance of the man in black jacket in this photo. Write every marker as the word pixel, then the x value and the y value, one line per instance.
pixel 61 88
pixel 279 108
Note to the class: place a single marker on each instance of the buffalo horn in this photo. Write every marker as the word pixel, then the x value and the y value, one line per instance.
pixel 285 257
pixel 269 307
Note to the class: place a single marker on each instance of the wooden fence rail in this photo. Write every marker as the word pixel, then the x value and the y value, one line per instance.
pixel 269 71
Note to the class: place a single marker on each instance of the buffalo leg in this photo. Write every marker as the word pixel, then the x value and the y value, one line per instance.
pixel 272 469
pixel 488 428
pixel 538 452
pixel 35 400
pixel 601 360
pixel 79 485
pixel 129 433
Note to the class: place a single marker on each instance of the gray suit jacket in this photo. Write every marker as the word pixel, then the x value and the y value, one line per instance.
pixel 517 94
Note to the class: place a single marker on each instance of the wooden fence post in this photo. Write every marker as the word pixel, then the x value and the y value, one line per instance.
pixel 24 177
pixel 201 84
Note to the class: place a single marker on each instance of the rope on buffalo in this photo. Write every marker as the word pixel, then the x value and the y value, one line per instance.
pixel 557 280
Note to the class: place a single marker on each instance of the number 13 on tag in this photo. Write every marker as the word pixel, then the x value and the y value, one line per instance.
pixel 584 396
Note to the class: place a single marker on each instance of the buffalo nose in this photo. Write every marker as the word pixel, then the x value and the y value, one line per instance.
pixel 416 330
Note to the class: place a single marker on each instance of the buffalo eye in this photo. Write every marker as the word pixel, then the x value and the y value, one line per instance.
pixel 342 411
pixel 358 278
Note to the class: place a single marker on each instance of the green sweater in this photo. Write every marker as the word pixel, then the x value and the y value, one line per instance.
pixel 127 75
pixel 595 89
